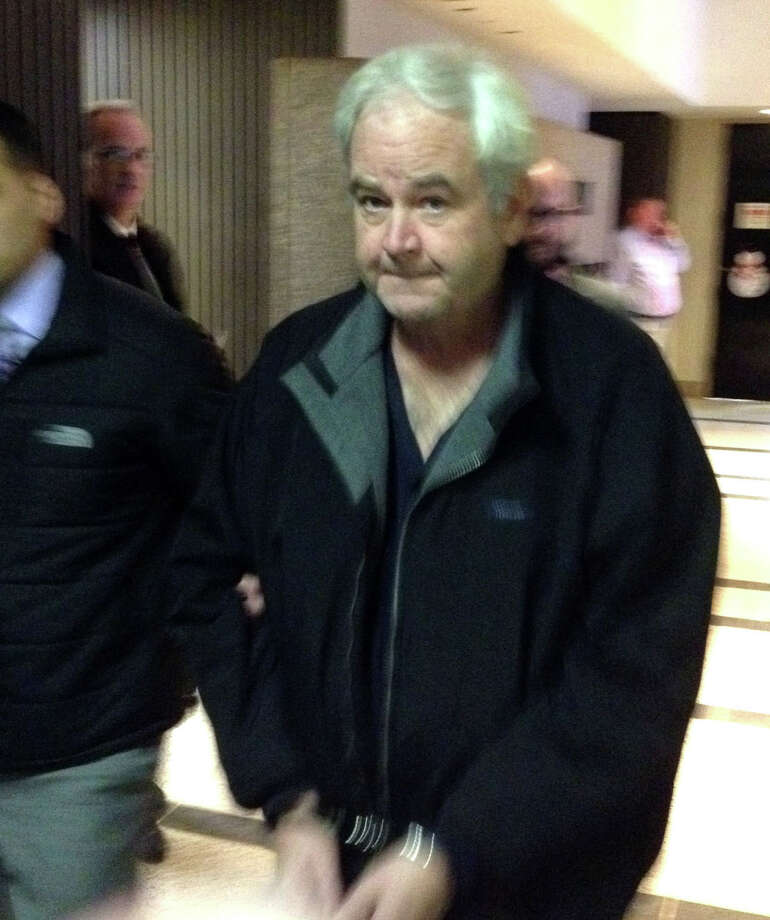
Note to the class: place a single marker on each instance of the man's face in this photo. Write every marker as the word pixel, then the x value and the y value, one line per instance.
pixel 119 163
pixel 23 227
pixel 650 216
pixel 551 223
pixel 427 243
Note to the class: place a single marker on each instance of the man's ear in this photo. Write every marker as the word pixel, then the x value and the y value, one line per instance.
pixel 48 197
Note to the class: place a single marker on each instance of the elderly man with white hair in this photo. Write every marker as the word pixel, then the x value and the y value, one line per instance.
pixel 486 533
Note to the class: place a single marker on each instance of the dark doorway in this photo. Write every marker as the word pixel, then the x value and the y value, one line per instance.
pixel 742 366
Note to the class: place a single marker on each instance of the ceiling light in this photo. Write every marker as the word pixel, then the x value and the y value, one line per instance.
pixel 764 111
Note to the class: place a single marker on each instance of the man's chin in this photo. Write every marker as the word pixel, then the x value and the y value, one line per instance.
pixel 411 309
pixel 542 256
pixel 413 301
pixel 127 198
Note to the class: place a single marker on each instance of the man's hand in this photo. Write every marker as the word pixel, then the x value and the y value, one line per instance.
pixel 394 888
pixel 671 230
pixel 308 884
pixel 250 590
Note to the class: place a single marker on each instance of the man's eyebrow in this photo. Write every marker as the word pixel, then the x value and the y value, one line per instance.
pixel 357 184
pixel 432 180
pixel 419 183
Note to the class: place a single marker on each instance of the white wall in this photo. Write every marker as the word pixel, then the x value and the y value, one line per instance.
pixel 369 27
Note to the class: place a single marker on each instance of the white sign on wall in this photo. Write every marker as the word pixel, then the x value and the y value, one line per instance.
pixel 752 215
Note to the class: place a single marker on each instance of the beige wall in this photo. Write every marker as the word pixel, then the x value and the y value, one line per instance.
pixel 697 181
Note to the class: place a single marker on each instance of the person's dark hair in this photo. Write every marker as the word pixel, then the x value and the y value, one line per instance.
pixel 19 137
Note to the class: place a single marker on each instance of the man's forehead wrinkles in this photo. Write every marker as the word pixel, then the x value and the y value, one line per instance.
pixel 430 180
pixel 418 181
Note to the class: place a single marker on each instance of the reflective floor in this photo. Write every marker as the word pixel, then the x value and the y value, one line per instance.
pixel 715 861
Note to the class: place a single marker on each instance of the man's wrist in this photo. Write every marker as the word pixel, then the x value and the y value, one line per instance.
pixel 283 804
pixel 419 845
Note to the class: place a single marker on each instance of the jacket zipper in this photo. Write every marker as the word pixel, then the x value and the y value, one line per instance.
pixel 349 661
pixel 473 463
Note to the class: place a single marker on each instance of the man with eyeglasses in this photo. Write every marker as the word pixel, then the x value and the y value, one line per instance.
pixel 118 167
pixel 551 230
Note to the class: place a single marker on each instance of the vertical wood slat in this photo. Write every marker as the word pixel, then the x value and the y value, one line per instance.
pixel 39 74
pixel 205 167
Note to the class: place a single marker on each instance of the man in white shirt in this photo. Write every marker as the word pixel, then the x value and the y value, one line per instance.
pixel 650 256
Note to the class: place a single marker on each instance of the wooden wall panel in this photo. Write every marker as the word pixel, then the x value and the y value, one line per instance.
pixel 39 73
pixel 199 70
pixel 311 227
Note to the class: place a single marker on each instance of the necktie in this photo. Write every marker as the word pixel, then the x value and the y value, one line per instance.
pixel 148 280
pixel 15 345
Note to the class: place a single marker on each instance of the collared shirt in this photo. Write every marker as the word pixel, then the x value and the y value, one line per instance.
pixel 119 229
pixel 30 303
pixel 648 268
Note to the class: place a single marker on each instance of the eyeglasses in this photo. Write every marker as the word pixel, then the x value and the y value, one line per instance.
pixel 548 215
pixel 124 155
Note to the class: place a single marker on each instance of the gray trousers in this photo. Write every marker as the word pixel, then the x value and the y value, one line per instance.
pixel 67 838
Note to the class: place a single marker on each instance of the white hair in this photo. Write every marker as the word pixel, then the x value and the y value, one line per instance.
pixel 449 78
pixel 99 107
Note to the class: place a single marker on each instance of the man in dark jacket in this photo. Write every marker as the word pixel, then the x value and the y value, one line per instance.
pixel 101 436
pixel 118 164
pixel 486 532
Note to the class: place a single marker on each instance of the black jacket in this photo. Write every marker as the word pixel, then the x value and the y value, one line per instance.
pixel 102 432
pixel 109 255
pixel 553 596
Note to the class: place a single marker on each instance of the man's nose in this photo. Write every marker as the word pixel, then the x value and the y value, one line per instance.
pixel 401 233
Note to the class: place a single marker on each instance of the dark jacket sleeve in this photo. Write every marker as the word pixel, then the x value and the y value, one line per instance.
pixel 230 653
pixel 591 760
pixel 197 395
pixel 169 270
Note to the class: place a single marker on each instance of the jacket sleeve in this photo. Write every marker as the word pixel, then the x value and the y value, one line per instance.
pixel 590 761
pixel 196 396
pixel 230 653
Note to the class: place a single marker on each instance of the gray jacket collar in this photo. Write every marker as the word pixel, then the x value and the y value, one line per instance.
pixel 341 390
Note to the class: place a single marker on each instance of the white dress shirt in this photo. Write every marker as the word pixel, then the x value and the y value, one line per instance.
pixel 30 303
pixel 648 268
